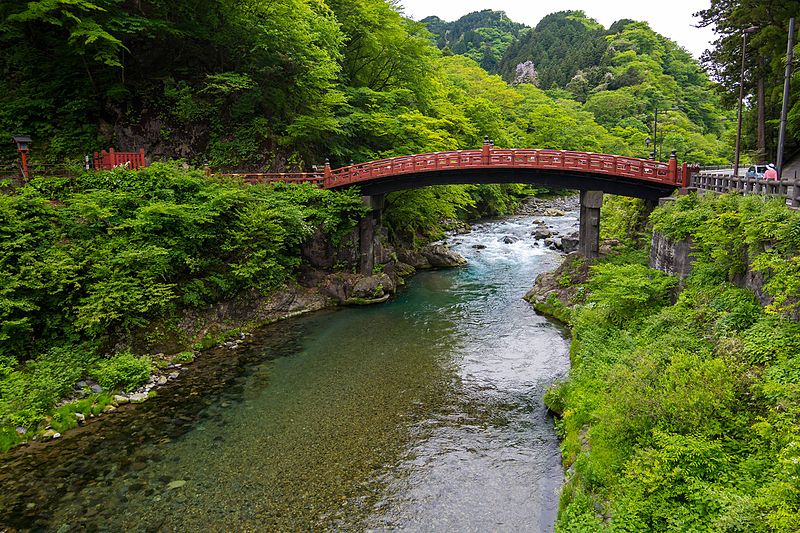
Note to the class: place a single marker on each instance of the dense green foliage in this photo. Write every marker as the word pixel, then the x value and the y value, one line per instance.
pixel 680 412
pixel 92 261
pixel 622 76
pixel 483 36
pixel 765 62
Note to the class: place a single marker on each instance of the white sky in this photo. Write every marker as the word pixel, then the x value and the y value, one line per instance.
pixel 672 18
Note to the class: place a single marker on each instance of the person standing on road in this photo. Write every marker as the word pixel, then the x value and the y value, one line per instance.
pixel 770 173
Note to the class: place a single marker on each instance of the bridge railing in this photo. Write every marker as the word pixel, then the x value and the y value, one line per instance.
pixel 723 182
pixel 629 167
pixel 314 178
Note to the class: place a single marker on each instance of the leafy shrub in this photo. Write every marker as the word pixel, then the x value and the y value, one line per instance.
pixel 124 370
pixel 626 291
pixel 29 391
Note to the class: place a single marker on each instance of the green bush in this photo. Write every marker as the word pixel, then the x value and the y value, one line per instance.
pixel 124 370
pixel 683 417
pixel 624 292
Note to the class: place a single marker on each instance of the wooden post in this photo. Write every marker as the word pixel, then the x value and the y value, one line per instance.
pixel 486 151
pixel 673 167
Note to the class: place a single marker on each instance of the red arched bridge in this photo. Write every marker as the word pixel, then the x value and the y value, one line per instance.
pixel 626 176
pixel 592 174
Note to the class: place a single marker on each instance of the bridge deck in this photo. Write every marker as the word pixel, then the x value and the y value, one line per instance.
pixel 488 159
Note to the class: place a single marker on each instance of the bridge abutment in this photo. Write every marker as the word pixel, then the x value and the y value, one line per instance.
pixel 589 232
pixel 368 228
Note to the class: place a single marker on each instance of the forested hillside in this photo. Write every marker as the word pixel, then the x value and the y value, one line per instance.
pixel 483 36
pixel 623 75
pixel 285 85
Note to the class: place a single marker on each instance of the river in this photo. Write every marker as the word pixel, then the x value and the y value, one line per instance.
pixel 424 414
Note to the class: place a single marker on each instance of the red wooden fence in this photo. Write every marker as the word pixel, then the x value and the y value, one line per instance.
pixel 111 159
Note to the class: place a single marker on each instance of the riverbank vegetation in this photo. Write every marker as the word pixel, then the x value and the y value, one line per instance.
pixel 95 262
pixel 681 409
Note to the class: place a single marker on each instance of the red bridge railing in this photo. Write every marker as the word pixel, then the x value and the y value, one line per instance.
pixel 490 158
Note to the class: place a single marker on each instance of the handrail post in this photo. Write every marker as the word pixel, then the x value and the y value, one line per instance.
pixel 326 172
pixel 673 167
pixel 486 151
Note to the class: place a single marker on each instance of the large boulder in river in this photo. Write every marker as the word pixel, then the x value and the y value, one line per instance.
pixel 371 289
pixel 439 255
pixel 414 258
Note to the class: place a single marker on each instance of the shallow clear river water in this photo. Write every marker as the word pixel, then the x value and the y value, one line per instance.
pixel 423 414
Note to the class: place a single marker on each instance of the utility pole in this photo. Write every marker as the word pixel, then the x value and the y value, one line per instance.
pixel 786 88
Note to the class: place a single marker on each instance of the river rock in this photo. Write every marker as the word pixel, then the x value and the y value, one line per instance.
pixel 509 239
pixel 373 287
pixel 553 212
pixel 413 258
pixel 554 243
pixel 97 389
pixel 162 380
pixel 21 430
pixel 569 243
pixel 479 246
pixel 542 233
pixel 137 397
pixel 439 255
pixel 178 483
pixel 80 417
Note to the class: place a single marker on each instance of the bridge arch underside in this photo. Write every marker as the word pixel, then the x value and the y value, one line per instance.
pixel 555 178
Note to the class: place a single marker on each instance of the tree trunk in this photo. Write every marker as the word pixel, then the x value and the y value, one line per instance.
pixel 761 137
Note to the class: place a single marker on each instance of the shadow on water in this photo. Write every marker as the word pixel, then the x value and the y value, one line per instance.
pixel 424 413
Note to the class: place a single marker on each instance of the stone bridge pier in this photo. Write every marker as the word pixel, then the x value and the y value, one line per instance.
pixel 589 232
pixel 368 229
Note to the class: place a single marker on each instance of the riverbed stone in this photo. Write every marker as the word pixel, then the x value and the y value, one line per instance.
pixel 375 286
pixel 137 397
pixel 569 243
pixel 97 389
pixel 553 212
pixel 178 483
pixel 542 233
pixel 162 380
pixel 80 417
pixel 439 255
pixel 554 243
pixel 121 399
pixel 509 239
pixel 414 258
